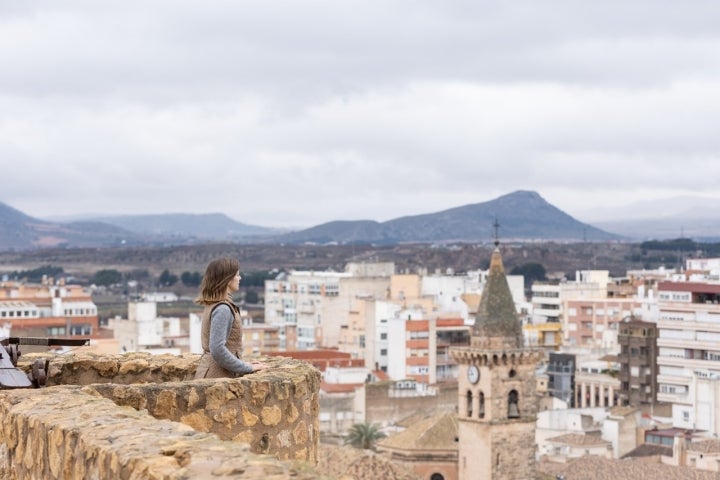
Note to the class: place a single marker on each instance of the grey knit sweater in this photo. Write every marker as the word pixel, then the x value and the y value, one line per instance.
pixel 220 322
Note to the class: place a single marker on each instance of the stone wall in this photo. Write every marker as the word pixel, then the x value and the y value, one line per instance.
pixel 139 416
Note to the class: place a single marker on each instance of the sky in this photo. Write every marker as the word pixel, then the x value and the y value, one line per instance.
pixel 295 113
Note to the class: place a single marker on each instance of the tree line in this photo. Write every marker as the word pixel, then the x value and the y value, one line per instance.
pixel 109 277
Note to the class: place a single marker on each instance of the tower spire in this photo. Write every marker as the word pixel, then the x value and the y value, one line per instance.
pixel 497 324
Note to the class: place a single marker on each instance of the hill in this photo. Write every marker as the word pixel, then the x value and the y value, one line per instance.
pixel 21 231
pixel 212 226
pixel 522 215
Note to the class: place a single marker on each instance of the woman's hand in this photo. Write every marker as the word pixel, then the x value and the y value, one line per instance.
pixel 257 366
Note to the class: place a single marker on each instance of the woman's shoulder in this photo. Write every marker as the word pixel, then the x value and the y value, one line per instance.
pixel 223 305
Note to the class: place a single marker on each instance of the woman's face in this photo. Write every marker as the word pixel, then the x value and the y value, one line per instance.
pixel 234 284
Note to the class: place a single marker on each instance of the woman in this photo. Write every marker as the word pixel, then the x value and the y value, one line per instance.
pixel 221 328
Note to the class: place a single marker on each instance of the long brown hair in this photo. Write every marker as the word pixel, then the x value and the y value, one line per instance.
pixel 218 274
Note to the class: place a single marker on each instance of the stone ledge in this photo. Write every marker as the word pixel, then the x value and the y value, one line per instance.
pixel 72 432
pixel 138 416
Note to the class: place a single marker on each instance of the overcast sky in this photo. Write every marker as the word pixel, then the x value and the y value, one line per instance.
pixel 300 112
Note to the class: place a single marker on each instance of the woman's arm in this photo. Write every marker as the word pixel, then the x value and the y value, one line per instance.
pixel 221 321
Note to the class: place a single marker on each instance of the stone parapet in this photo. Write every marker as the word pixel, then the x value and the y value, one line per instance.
pixel 110 426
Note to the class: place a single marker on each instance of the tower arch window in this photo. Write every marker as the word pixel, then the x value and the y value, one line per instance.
pixel 481 406
pixel 469 403
pixel 437 476
pixel 513 407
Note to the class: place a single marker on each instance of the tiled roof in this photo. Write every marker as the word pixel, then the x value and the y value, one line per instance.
pixel 621 410
pixel 695 287
pixel 705 446
pixel 649 450
pixel 578 440
pixel 597 468
pixel 349 463
pixel 438 432
pixel 339 387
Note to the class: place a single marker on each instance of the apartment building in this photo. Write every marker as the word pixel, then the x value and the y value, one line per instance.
pixel 419 346
pixel 638 362
pixel 450 292
pixel 561 377
pixel 260 338
pixel 548 298
pixel 366 334
pixel 419 296
pixel 311 308
pixel 593 322
pixel 688 322
pixel 145 331
pixel 48 309
pixel 548 336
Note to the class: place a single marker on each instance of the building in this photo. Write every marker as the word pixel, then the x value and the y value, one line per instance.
pixel 561 377
pixel 593 322
pixel 595 386
pixel 688 323
pixel 311 308
pixel 419 347
pixel 144 331
pixel 366 334
pixel 260 338
pixel 497 401
pixel 638 362
pixel 429 447
pixel 548 336
pixel 48 309
pixel 548 297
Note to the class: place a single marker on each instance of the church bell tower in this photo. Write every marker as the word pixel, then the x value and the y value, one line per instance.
pixel 497 399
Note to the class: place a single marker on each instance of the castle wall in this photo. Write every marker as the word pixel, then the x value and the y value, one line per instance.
pixel 107 425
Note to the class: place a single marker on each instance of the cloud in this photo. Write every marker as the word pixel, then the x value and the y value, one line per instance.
pixel 295 113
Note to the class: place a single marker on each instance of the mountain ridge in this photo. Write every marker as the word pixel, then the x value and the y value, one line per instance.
pixel 522 215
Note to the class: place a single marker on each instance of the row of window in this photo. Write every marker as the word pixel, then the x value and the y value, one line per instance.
pixel 76 312
pixel 79 329
pixel 19 314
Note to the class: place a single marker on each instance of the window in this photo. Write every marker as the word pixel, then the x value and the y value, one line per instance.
pixel 81 329
pixel 383 336
pixel 513 410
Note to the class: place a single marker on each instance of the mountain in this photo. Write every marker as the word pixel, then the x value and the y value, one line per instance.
pixel 666 218
pixel 522 215
pixel 212 226
pixel 21 231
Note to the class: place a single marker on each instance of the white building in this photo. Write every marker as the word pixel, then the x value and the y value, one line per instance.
pixel 688 339
pixel 311 307
pixel 144 331
pixel 548 297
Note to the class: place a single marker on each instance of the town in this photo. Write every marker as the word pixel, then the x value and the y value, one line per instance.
pixel 610 373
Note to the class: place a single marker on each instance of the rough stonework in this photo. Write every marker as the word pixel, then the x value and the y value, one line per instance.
pixel 106 425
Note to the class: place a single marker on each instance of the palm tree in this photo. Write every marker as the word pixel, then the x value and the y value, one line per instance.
pixel 364 435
